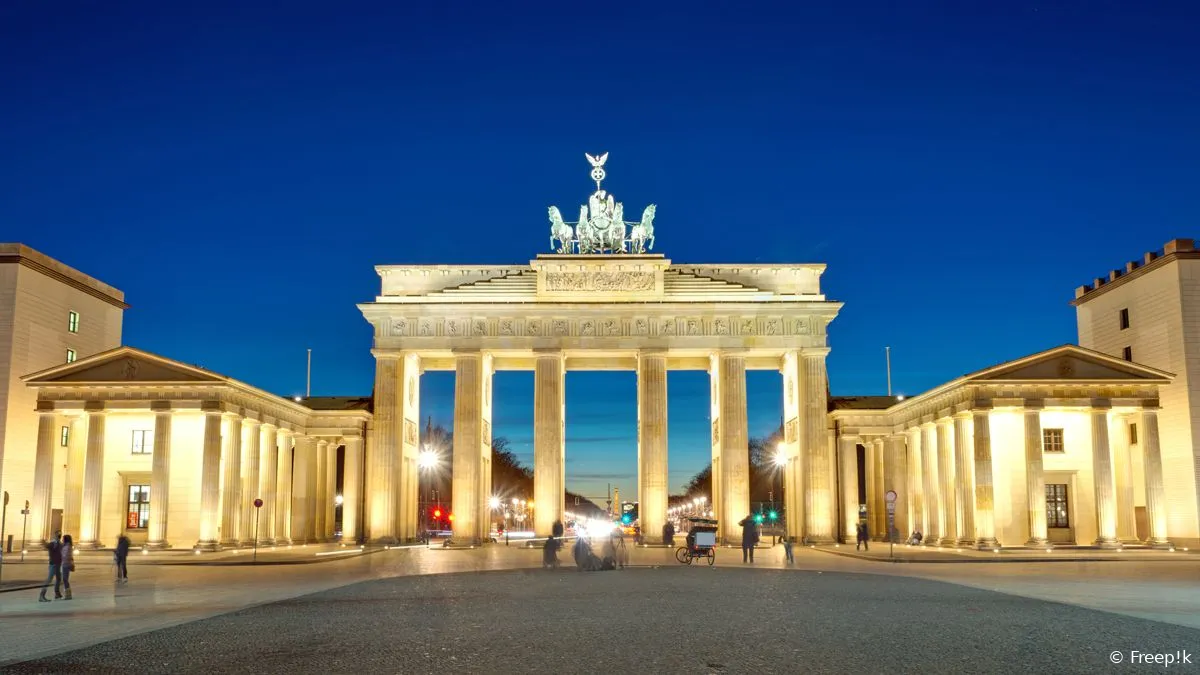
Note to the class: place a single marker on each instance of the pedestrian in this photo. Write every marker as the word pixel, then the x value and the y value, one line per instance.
pixel 749 538
pixel 863 537
pixel 68 564
pixel 119 557
pixel 54 547
pixel 669 534
pixel 787 548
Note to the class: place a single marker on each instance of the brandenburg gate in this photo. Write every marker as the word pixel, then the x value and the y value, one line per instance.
pixel 600 301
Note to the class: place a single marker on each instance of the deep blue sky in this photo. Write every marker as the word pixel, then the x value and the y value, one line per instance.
pixel 238 170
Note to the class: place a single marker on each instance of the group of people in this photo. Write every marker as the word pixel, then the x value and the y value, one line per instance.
pixel 62 563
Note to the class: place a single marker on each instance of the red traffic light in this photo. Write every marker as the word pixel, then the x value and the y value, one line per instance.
pixel 437 513
pixel 451 517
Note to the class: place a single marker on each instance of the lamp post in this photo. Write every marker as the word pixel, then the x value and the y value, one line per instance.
pixel 257 510
pixel 427 464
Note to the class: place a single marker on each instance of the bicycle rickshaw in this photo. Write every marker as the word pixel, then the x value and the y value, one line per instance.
pixel 701 542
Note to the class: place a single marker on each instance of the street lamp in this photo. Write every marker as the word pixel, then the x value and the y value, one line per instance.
pixel 494 502
pixel 428 459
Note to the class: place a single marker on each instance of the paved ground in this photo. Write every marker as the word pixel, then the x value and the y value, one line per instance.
pixel 414 610
pixel 662 620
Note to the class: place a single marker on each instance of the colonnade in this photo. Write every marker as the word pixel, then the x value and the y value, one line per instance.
pixel 243 457
pixel 941 469
pixel 809 473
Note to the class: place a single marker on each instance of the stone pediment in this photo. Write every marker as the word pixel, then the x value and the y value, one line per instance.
pixel 124 364
pixel 1070 363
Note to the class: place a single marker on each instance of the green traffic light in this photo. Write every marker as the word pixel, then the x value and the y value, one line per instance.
pixel 758 518
pixel 772 515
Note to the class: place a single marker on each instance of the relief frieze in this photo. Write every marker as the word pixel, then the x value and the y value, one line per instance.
pixel 641 326
pixel 599 281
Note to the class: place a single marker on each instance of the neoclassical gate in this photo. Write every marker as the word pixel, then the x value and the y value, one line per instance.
pixel 621 308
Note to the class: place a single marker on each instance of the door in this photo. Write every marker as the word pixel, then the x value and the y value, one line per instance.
pixel 1058 514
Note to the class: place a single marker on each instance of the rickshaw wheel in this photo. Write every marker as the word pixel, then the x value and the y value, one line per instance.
pixel 681 554
pixel 712 556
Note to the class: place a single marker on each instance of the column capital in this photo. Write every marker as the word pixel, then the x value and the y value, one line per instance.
pixel 43 411
pixel 1098 405
pixel 251 422
pixel 814 352
pixel 94 407
pixel 383 355
pixel 1151 405
pixel 1033 404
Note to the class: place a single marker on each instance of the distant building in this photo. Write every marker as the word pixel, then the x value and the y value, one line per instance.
pixel 1148 312
pixel 50 314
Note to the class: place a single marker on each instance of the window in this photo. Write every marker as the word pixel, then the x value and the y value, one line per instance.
pixel 70 356
pixel 138 513
pixel 73 322
pixel 1124 319
pixel 1058 512
pixel 1127 353
pixel 64 436
pixel 1052 440
pixel 1133 433
pixel 143 441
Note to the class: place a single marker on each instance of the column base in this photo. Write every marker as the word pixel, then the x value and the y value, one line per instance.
pixel 156 545
pixel 950 542
pixel 964 543
pixel 929 540
pixel 250 544
pixel 282 541
pixel 209 546
pixel 229 543
pixel 89 546
pixel 1107 542
pixel 987 544
pixel 1038 542
pixel 1161 545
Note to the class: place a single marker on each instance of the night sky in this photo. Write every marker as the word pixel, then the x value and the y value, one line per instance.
pixel 239 168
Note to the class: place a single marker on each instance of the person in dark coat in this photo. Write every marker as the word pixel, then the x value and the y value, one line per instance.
pixel 120 555
pixel 54 548
pixel 749 538
pixel 669 533
pixel 863 538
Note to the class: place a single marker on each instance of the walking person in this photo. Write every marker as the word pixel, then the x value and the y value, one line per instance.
pixel 119 557
pixel 863 538
pixel 749 538
pixel 787 548
pixel 68 564
pixel 54 547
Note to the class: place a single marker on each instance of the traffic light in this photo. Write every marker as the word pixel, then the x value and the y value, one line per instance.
pixel 626 519
pixel 450 517
pixel 772 515
pixel 758 519
pixel 437 513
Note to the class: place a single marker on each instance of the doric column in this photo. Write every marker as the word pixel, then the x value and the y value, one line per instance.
pixel 874 486
pixel 251 466
pixel 1123 478
pixel 548 441
pixel 283 488
pixel 1102 476
pixel 929 476
pixel 471 438
pixel 878 454
pixel 964 476
pixel 731 462
pixel 917 518
pixel 43 479
pixel 231 483
pixel 820 503
pixel 304 490
pixel 330 507
pixel 652 445
pixel 1035 481
pixel 408 400
pixel 321 462
pixel 352 482
pixel 268 481
pixel 791 368
pixel 895 478
pixel 76 456
pixel 1156 505
pixel 93 479
pixel 946 487
pixel 985 498
pixel 210 479
pixel 385 451
pixel 848 456
pixel 160 478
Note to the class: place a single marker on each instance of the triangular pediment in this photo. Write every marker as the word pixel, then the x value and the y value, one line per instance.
pixel 124 364
pixel 1070 362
